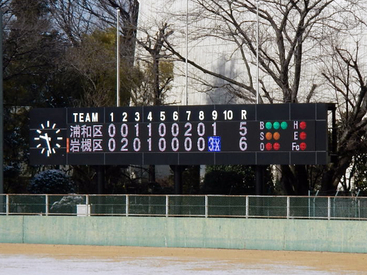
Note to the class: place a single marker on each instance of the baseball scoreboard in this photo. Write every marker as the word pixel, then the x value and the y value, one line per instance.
pixel 181 135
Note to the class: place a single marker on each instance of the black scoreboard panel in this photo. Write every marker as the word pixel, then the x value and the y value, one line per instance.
pixel 181 135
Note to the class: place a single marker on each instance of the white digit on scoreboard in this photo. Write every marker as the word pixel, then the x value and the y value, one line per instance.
pixel 188 127
pixel 188 144
pixel 228 114
pixel 111 141
pixel 149 140
pixel 175 144
pixel 124 130
pixel 243 132
pixel 124 145
pixel 137 129
pixel 149 125
pixel 124 116
pixel 201 115
pixel 111 144
pixel 111 130
pixel 162 129
pixel 162 144
pixel 136 144
pixel 137 116
pixel 175 129
pixel 163 115
pixel 201 144
pixel 201 129
pixel 175 115
pixel 188 113
pixel 214 125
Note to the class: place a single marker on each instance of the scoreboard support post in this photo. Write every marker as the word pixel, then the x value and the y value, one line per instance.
pixel 100 179
pixel 178 183
pixel 259 187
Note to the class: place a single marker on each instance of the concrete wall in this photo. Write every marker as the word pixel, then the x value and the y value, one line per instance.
pixel 266 234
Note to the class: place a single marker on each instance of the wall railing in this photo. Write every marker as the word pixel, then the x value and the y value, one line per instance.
pixel 206 206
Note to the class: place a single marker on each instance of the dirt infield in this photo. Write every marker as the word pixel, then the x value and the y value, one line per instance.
pixel 318 260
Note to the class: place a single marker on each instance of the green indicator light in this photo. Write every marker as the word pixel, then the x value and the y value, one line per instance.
pixel 276 125
pixel 284 125
pixel 268 125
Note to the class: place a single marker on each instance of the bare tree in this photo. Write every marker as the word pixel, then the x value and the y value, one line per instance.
pixel 289 38
pixel 347 76
pixel 157 65
pixel 104 11
pixel 288 34
pixel 71 19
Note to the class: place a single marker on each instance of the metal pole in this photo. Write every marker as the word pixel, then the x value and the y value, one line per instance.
pixel 257 52
pixel 259 170
pixel 187 55
pixel 127 205
pixel 118 58
pixel 7 205
pixel 247 207
pixel 1 109
pixel 46 205
pixel 167 206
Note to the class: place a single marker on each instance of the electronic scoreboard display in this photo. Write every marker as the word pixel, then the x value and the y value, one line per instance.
pixel 181 135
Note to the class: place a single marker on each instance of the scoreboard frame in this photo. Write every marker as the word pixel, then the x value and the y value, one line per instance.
pixel 248 134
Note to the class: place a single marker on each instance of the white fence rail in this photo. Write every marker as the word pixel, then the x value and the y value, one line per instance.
pixel 287 207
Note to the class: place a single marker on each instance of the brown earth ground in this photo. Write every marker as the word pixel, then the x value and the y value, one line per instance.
pixel 318 260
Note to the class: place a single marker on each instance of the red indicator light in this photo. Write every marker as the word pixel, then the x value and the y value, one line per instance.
pixel 303 146
pixel 303 125
pixel 269 146
pixel 303 135
pixel 276 146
